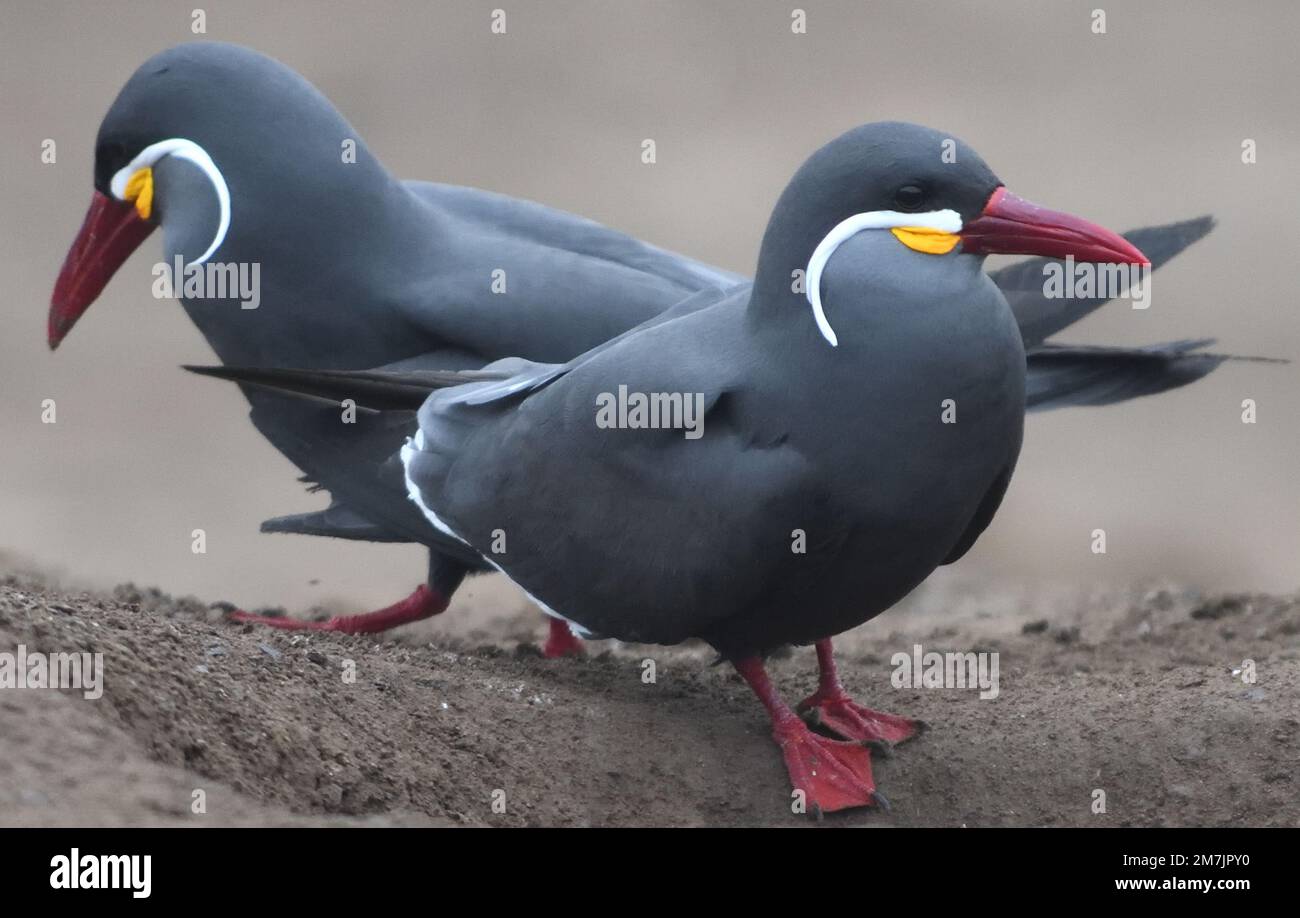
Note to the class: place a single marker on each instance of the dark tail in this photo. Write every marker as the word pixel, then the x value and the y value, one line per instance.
pixel 1061 376
pixel 336 521
pixel 1058 376
pixel 371 390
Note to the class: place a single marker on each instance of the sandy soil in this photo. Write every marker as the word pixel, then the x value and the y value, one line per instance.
pixel 1130 692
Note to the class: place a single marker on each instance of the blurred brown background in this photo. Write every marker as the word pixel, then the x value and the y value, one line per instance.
pixel 1141 125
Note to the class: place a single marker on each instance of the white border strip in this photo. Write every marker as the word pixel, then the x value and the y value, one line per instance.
pixel 409 451
pixel 948 221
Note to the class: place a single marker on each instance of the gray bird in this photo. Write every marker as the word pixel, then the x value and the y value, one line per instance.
pixel 818 477
pixel 243 162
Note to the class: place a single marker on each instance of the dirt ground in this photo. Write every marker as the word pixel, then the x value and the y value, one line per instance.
pixel 1131 692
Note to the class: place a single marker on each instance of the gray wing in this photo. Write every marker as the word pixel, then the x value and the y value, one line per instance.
pixel 354 461
pixel 554 228
pixel 526 376
pixel 571 284
pixel 643 513
pixel 518 279
pixel 1040 317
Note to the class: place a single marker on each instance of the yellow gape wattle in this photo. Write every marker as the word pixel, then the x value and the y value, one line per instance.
pixel 927 240
pixel 139 188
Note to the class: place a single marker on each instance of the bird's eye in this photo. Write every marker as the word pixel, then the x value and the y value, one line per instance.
pixel 109 157
pixel 110 153
pixel 909 197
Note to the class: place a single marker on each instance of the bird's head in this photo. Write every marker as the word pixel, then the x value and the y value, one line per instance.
pixel 931 192
pixel 204 139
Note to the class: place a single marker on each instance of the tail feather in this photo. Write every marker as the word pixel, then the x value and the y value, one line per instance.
pixel 1062 376
pixel 336 521
pixel 370 390
pixel 1057 376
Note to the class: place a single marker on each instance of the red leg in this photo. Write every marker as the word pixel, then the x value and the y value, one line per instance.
pixel 832 708
pixel 833 775
pixel 561 641
pixel 423 603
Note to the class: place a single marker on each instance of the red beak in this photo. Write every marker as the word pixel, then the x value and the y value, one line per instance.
pixel 111 232
pixel 1010 225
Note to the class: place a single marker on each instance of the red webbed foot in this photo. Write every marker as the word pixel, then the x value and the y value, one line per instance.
pixel 837 712
pixel 831 708
pixel 832 774
pixel 423 603
pixel 561 641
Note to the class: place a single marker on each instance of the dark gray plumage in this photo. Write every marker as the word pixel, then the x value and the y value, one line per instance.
pixel 647 535
pixel 359 269
pixel 823 477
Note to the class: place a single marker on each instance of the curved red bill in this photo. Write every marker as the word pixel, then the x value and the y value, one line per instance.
pixel 111 231
pixel 1010 225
